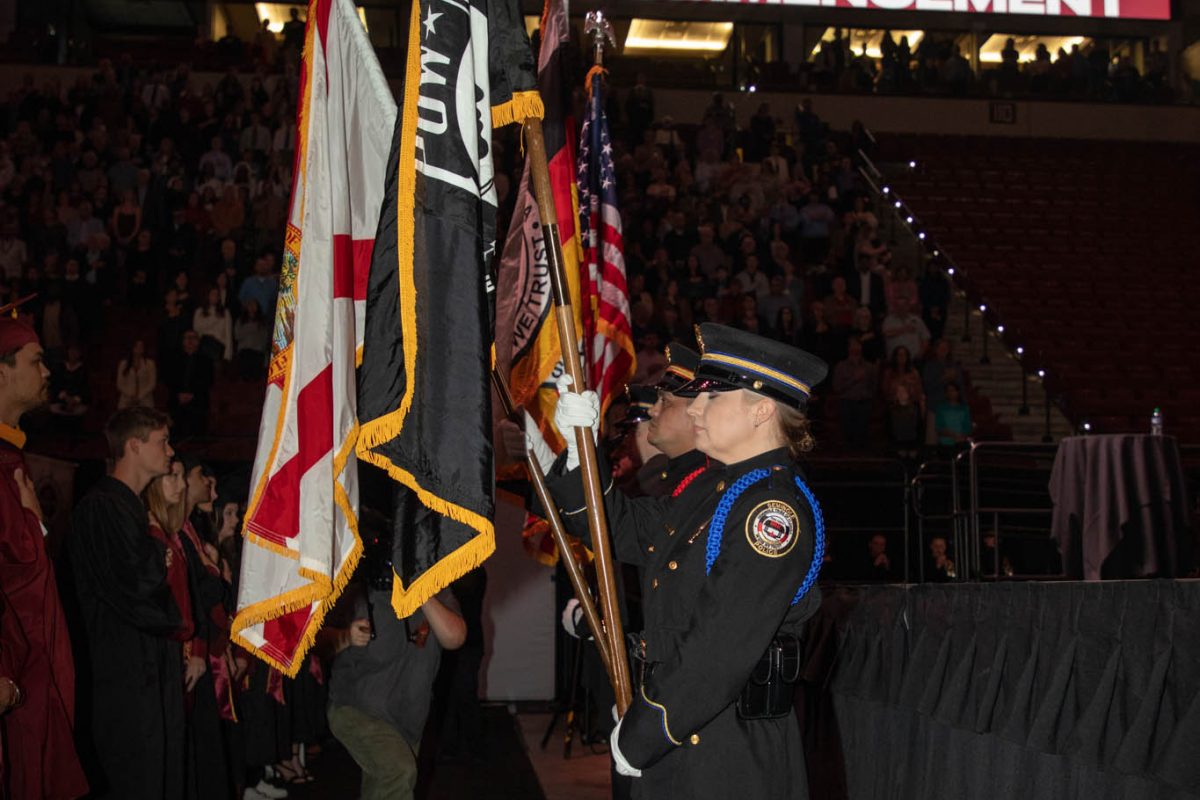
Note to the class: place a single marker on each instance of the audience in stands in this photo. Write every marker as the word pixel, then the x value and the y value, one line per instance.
pixel 137 376
pixel 855 383
pixel 214 324
pixel 878 566
pixel 190 379
pixel 952 418
pixel 69 389
pixel 939 568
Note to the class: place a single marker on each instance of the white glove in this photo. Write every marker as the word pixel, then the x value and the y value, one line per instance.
pixel 571 616
pixel 623 766
pixel 535 443
pixel 575 410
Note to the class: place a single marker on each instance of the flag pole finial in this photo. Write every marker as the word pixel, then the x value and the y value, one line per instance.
pixel 597 26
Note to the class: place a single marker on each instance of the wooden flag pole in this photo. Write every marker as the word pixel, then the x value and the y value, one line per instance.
pixel 574 570
pixel 539 172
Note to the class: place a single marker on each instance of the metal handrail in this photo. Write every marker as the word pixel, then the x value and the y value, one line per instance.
pixel 976 509
pixel 922 517
pixel 901 484
pixel 968 509
pixel 966 505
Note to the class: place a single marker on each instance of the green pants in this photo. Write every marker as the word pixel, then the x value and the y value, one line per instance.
pixel 389 763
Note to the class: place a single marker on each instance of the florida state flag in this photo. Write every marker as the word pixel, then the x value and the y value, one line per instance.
pixel 301 532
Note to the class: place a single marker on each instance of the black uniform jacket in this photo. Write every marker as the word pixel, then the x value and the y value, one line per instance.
pixel 661 476
pixel 707 628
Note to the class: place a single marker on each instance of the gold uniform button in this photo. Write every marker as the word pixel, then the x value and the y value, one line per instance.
pixel 654 583
pixel 663 475
pixel 670 531
pixel 721 486
pixel 673 565
pixel 650 548
pixel 695 738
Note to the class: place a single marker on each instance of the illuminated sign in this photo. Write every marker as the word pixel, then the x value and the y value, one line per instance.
pixel 1111 9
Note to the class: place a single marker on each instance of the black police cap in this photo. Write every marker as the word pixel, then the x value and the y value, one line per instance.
pixel 731 359
pixel 640 400
pixel 681 367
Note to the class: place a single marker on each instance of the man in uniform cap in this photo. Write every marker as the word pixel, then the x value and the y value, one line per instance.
pixel 38 696
pixel 634 459
pixel 671 430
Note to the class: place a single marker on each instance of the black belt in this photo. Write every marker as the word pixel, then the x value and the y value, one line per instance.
pixel 767 693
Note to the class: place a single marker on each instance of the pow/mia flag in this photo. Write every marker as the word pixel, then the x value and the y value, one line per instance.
pixel 423 387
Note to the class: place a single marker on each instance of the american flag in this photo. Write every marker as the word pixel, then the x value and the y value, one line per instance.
pixel 604 291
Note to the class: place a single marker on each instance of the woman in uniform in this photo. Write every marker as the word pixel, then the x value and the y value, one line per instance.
pixel 730 566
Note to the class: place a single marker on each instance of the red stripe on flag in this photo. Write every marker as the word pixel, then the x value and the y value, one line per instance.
pixel 351 266
pixel 285 628
pixel 323 8
pixel 562 181
pixel 363 249
pixel 277 517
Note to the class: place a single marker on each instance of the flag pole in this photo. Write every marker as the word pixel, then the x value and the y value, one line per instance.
pixel 588 465
pixel 574 570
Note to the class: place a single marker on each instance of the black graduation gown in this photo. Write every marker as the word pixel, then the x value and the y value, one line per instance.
pixel 136 671
pixel 704 633
pixel 207 774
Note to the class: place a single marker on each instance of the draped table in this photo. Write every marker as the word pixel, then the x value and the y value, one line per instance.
pixel 1004 691
pixel 1120 507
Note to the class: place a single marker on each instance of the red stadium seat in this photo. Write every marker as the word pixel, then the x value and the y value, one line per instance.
pixel 1086 251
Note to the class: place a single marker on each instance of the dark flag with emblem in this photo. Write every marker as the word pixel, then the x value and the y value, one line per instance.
pixel 423 388
pixel 527 348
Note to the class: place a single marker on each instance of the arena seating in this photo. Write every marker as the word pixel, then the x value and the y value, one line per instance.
pixel 1082 250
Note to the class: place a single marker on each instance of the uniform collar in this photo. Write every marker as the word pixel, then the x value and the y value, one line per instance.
pixel 771 458
pixel 14 436
pixel 688 461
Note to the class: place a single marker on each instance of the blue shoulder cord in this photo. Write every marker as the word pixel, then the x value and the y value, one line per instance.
pixel 716 528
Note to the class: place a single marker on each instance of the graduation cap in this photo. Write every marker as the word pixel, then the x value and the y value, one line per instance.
pixel 15 334
pixel 732 359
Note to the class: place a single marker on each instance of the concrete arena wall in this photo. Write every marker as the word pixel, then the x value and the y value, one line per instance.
pixel 970 117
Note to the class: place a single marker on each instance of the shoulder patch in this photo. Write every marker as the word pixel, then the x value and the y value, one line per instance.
pixel 772 528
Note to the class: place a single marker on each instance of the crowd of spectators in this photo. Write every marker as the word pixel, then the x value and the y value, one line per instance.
pixel 775 234
pixel 145 204
pixel 145 208
pixel 937 65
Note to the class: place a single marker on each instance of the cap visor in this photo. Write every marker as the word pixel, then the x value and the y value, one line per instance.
pixel 670 383
pixel 698 385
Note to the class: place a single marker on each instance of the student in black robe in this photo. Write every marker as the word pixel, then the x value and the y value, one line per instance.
pixel 207 770
pixel 128 613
